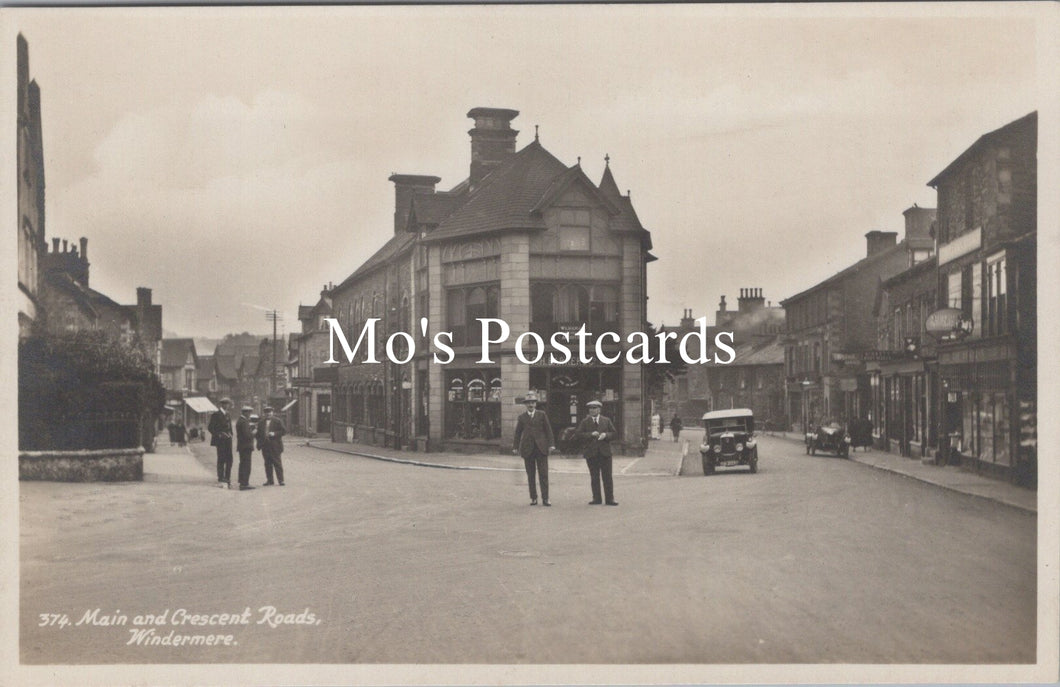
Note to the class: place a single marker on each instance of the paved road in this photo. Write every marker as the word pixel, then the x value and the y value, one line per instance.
pixel 813 560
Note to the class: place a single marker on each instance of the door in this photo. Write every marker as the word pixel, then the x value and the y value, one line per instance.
pixel 324 414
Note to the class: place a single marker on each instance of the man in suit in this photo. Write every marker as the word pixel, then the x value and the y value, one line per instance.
pixel 597 431
pixel 221 436
pixel 244 447
pixel 533 441
pixel 270 441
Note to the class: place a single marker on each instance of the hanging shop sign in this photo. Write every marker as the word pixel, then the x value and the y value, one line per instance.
pixel 948 324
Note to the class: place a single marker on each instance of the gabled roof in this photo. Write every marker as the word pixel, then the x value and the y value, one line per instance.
pixel 305 312
pixel 564 181
pixel 175 352
pixel 506 197
pixel 63 281
pixel 225 366
pixel 769 352
pixel 840 275
pixel 204 367
pixel 1029 122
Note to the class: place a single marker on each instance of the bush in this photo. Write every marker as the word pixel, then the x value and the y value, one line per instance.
pixel 84 390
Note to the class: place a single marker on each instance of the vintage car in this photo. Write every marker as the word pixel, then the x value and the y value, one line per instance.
pixel 829 437
pixel 729 439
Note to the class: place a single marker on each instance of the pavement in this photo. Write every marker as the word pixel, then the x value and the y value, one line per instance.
pixel 664 458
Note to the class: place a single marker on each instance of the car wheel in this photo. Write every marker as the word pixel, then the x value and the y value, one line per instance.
pixel 708 465
pixel 753 463
pixel 845 453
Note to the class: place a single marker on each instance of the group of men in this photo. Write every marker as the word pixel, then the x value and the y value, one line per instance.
pixel 250 432
pixel 534 440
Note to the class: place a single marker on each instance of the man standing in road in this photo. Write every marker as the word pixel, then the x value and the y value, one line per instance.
pixel 221 436
pixel 596 431
pixel 533 441
pixel 270 441
pixel 245 447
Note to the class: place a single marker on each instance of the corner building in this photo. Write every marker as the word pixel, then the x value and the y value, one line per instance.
pixel 527 239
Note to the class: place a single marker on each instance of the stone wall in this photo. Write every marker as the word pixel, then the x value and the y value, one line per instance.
pixel 105 465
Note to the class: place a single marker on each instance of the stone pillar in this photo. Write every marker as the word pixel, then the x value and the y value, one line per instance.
pixel 631 319
pixel 515 307
pixel 435 373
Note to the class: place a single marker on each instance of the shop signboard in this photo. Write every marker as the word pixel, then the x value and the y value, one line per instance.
pixel 948 324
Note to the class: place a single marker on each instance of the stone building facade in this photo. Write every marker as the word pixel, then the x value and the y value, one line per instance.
pixel 830 327
pixel 987 276
pixel 30 192
pixel 525 238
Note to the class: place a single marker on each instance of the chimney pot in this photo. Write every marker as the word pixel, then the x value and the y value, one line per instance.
pixel 65 248
pixel 55 244
pixel 84 248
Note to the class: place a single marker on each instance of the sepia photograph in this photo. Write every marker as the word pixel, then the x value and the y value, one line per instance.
pixel 558 344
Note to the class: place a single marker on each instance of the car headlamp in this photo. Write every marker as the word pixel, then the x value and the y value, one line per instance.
pixel 739 447
pixel 717 448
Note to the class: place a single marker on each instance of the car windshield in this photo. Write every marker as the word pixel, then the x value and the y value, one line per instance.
pixel 725 426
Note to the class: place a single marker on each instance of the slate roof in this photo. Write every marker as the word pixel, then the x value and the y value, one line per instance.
pixel 391 248
pixel 431 209
pixel 63 281
pixel 506 197
pixel 760 353
pixel 205 367
pixel 1029 121
pixel 175 352
pixel 225 366
pixel 627 220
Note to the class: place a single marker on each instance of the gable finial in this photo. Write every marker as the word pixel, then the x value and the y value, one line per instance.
pixel 607 160
pixel 579 160
pixel 535 133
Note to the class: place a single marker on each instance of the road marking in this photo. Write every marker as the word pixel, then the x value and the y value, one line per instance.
pixel 635 461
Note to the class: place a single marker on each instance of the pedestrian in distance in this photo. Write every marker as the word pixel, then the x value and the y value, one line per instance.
pixel 596 433
pixel 675 427
pixel 221 437
pixel 270 441
pixel 245 446
pixel 534 440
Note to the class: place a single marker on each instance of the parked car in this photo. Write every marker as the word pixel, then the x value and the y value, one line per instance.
pixel 729 439
pixel 829 437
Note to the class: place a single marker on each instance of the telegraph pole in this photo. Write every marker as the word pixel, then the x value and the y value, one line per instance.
pixel 273 316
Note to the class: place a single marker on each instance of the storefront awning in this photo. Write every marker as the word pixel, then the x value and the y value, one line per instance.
pixel 200 404
pixel 288 406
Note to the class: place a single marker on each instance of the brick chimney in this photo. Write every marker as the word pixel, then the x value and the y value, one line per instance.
pixel 751 299
pixel 918 222
pixel 405 185
pixel 879 241
pixel 143 296
pixel 492 140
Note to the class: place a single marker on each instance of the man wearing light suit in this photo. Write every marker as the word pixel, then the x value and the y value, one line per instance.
pixel 597 431
pixel 533 441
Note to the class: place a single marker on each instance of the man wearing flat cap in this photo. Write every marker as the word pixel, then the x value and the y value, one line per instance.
pixel 596 433
pixel 533 441
pixel 244 447
pixel 221 436
pixel 270 441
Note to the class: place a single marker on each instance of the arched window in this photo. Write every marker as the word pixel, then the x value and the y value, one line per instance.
pixel 572 304
pixel 604 306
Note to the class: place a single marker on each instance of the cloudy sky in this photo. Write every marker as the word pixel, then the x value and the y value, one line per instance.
pixel 233 158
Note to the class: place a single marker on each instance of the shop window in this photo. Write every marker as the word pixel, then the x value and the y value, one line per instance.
pixel 472 409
